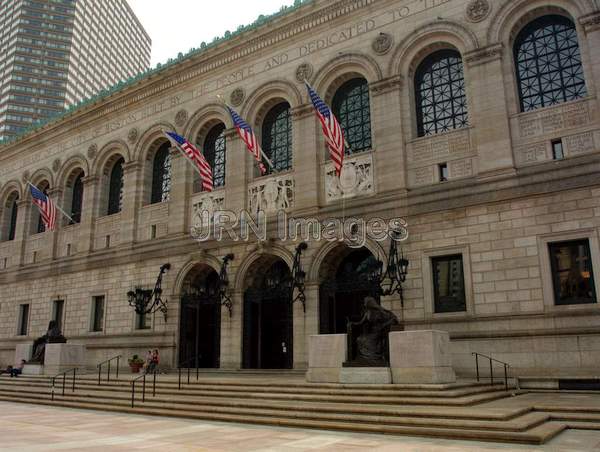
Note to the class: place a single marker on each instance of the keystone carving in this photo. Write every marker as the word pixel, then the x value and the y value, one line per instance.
pixel 478 10
pixel 304 72
pixel 383 43
pixel 181 118
pixel 92 151
pixel 133 135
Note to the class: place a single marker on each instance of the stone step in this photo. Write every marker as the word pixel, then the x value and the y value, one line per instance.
pixel 535 435
pixel 358 392
pixel 428 413
pixel 350 399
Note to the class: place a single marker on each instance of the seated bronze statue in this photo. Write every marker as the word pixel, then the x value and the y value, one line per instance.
pixel 52 336
pixel 368 341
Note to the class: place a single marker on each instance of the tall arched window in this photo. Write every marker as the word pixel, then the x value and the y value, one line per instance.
pixel 77 199
pixel 440 93
pixel 548 62
pixel 10 218
pixel 352 106
pixel 214 151
pixel 115 188
pixel 277 136
pixel 161 175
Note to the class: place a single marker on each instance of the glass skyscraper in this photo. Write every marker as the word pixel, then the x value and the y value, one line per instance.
pixel 55 53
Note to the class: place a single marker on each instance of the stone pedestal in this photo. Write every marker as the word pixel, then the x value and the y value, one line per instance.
pixel 23 351
pixel 62 357
pixel 326 354
pixel 33 369
pixel 366 375
pixel 421 357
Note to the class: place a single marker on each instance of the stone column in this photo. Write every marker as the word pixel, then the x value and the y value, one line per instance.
pixel 180 193
pixel 22 230
pixel 488 112
pixel 132 193
pixel 236 184
pixel 88 214
pixel 305 325
pixel 387 130
pixel 231 333
pixel 306 159
pixel 591 27
pixel 56 195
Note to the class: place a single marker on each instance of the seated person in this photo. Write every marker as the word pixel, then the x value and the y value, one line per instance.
pixel 7 371
pixel 153 366
pixel 16 371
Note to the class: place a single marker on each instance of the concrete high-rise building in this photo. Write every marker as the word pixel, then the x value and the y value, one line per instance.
pixel 55 53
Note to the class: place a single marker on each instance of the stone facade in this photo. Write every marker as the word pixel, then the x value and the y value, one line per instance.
pixel 505 199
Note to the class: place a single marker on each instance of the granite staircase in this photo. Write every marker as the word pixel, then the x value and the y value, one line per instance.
pixel 447 411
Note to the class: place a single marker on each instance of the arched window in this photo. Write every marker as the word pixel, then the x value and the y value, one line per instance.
pixel 352 106
pixel 115 188
pixel 548 62
pixel 161 175
pixel 277 136
pixel 10 218
pixel 440 93
pixel 214 151
pixel 77 199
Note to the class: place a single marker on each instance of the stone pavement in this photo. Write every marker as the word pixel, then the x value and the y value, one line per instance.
pixel 30 428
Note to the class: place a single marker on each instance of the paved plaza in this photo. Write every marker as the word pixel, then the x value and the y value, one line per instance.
pixel 29 428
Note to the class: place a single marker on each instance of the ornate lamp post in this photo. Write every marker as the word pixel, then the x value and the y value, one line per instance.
pixel 224 297
pixel 391 277
pixel 299 277
pixel 147 301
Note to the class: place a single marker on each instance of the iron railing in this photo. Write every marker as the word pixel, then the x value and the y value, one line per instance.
pixel 492 361
pixel 107 362
pixel 64 382
pixel 143 378
pixel 184 365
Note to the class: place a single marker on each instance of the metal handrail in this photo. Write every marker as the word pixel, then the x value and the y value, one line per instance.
pixel 183 366
pixel 492 360
pixel 64 375
pixel 143 378
pixel 108 361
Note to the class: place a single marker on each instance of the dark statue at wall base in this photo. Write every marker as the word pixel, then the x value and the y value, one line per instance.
pixel 52 336
pixel 368 339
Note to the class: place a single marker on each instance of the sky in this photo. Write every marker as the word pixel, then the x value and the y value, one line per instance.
pixel 178 25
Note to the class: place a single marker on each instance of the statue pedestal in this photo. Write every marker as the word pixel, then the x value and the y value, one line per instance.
pixel 23 351
pixel 33 369
pixel 421 357
pixel 326 354
pixel 62 357
pixel 366 375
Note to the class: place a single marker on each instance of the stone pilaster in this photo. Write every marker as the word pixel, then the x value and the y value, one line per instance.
pixel 591 27
pixel 306 160
pixel 88 213
pixel 489 111
pixel 132 193
pixel 23 226
pixel 56 195
pixel 181 185
pixel 236 178
pixel 387 131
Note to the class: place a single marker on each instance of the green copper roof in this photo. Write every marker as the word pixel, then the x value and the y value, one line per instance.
pixel 228 35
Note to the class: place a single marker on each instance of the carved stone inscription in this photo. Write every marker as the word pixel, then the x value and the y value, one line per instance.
pixel 532 153
pixel 460 168
pixel 580 144
pixel 440 148
pixel 559 118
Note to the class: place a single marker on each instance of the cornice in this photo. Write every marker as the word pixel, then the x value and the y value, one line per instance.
pixel 196 66
pixel 590 22
pixel 384 86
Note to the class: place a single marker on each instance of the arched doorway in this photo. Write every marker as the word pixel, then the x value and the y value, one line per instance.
pixel 347 278
pixel 200 319
pixel 268 317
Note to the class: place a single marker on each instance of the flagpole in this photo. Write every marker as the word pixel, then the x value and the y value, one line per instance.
pixel 55 205
pixel 262 153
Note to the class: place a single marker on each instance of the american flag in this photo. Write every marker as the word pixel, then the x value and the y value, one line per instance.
pixel 196 157
pixel 46 207
pixel 247 135
pixel 334 135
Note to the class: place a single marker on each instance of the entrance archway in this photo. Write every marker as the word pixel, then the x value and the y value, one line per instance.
pixel 346 281
pixel 200 319
pixel 268 317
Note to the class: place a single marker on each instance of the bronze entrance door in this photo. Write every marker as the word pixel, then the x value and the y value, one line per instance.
pixel 268 322
pixel 200 325
pixel 341 296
